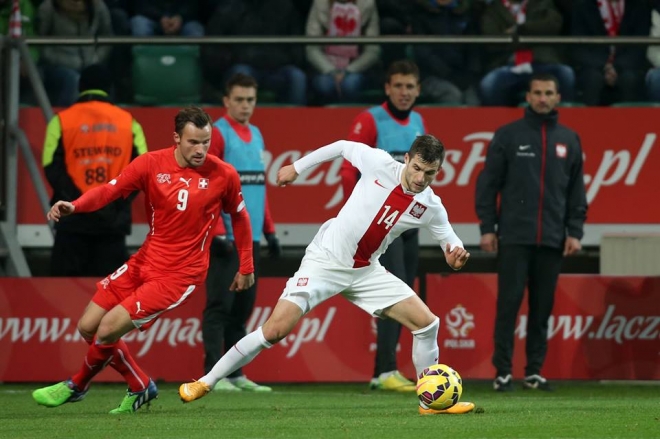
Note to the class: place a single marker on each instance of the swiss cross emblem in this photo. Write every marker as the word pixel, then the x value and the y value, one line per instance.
pixel 417 210
pixel 302 281
pixel 203 183
pixel 561 150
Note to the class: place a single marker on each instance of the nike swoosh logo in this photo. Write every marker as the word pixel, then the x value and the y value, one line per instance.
pixel 378 183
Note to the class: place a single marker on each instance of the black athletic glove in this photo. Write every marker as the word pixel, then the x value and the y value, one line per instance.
pixel 221 247
pixel 274 248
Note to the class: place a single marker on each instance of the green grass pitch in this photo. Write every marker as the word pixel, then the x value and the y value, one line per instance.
pixel 574 410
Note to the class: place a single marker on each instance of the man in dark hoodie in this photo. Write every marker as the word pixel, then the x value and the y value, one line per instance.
pixel 88 145
pixel 535 166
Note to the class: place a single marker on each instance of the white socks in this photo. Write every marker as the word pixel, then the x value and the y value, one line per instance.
pixel 425 350
pixel 238 356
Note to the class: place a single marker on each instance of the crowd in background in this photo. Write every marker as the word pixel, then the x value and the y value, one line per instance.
pixel 452 74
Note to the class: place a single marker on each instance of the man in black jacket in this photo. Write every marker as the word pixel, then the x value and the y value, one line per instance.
pixel 535 165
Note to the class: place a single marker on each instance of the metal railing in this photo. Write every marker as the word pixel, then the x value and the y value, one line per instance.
pixel 405 39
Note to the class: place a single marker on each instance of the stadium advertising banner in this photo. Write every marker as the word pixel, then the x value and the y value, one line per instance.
pixel 620 144
pixel 602 328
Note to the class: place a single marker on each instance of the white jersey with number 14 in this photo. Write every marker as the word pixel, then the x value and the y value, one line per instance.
pixel 378 210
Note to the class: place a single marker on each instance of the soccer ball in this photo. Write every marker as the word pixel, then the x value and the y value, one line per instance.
pixel 439 387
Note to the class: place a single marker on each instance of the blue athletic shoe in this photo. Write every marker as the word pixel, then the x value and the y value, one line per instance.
pixel 134 400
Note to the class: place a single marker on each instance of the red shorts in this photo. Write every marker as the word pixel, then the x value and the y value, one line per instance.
pixel 144 297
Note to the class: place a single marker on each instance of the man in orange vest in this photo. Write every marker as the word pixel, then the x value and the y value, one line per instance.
pixel 87 145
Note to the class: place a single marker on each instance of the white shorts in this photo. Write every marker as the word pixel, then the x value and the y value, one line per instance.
pixel 372 288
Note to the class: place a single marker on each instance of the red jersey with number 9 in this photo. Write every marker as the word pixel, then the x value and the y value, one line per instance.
pixel 182 206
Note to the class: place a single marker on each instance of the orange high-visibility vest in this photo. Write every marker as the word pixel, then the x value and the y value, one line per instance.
pixel 98 142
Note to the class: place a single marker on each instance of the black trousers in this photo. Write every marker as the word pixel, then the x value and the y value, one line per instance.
pixel 85 255
pixel 401 259
pixel 537 268
pixel 226 312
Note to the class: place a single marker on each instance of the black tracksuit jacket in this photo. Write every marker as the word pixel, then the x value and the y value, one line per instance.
pixel 535 165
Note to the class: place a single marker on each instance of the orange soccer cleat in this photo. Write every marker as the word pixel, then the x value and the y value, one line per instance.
pixel 189 392
pixel 459 408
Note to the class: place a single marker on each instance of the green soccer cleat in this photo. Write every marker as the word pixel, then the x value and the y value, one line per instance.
pixel 134 400
pixel 224 385
pixel 392 382
pixel 243 383
pixel 58 394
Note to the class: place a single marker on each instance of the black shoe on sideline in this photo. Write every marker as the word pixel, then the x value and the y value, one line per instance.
pixel 537 382
pixel 503 383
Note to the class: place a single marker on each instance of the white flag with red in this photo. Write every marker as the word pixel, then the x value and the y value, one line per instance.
pixel 15 25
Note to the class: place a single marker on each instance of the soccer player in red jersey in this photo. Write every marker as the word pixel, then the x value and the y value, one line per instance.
pixel 185 191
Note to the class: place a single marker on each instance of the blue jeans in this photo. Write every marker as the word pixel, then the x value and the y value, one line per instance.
pixel 351 86
pixel 142 26
pixel 61 84
pixel 653 84
pixel 288 82
pixel 502 87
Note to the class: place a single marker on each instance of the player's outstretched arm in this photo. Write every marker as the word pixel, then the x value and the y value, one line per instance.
pixel 456 257
pixel 287 174
pixel 60 210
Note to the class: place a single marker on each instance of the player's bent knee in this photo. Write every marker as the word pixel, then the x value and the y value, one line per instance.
pixel 106 334
pixel 273 332
pixel 281 322
pixel 86 331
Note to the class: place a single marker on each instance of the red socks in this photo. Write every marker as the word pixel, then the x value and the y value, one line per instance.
pixel 98 356
pixel 123 362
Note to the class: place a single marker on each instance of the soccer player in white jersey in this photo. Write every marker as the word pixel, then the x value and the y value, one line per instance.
pixel 390 198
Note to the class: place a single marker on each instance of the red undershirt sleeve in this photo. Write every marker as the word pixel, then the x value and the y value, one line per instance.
pixel 240 221
pixel 269 224
pixel 364 131
pixel 96 198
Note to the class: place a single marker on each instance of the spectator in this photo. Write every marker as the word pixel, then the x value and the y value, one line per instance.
pixel 28 30
pixel 448 70
pixel 510 71
pixel 120 57
pixel 341 70
pixel 565 8
pixel 395 19
pixel 653 55
pixel 91 244
pixel 609 74
pixel 62 64
pixel 276 68
pixel 120 16
pixel 302 6
pixel 166 17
